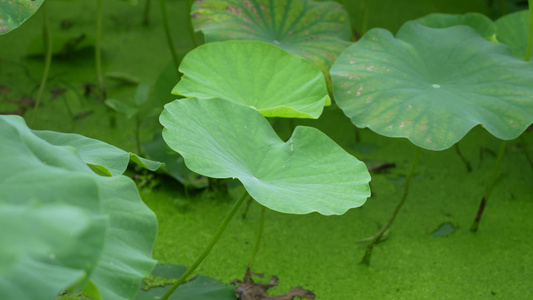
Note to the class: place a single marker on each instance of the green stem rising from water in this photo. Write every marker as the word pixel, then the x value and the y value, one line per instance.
pixel 206 251
pixel 47 39
pixel 163 5
pixel 379 235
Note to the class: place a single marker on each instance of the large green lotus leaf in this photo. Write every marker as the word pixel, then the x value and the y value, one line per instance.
pixel 255 74
pixel 54 186
pixel 103 157
pixel 126 258
pixel 308 173
pixel 433 85
pixel 481 23
pixel 53 228
pixel 15 12
pixel 41 244
pixel 318 31
pixel 512 30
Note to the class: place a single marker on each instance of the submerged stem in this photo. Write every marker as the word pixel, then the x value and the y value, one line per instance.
pixel 524 150
pixel 530 33
pixel 190 26
pixel 501 5
pixel 146 15
pixel 138 133
pixel 246 207
pixel 98 50
pixel 209 247
pixel 258 239
pixel 466 162
pixel 98 59
pixel 366 12
pixel 486 195
pixel 357 134
pixel 377 237
pixel 163 5
pixel 47 62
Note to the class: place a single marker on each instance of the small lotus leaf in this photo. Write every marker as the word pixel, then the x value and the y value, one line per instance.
pixel 512 30
pixel 318 31
pixel 254 74
pixel 15 12
pixel 103 157
pixel 142 94
pixel 200 288
pixel 67 226
pixel 481 23
pixel 173 163
pixel 308 173
pixel 433 85
pixel 122 108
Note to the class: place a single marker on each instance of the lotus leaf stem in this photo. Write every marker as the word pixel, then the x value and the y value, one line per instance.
pixel 190 26
pixel 47 40
pixel 501 6
pixel 138 133
pixel 378 236
pixel 146 15
pixel 246 207
pixel 206 251
pixel 524 150
pixel 258 239
pixel 530 33
pixel 463 159
pixel 163 5
pixel 488 191
pixel 98 59
pixel 366 13
pixel 98 49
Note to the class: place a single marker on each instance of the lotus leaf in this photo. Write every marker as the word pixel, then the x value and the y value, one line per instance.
pixel 200 288
pixel 512 30
pixel 307 173
pixel 67 226
pixel 433 85
pixel 481 23
pixel 15 12
pixel 104 158
pixel 318 31
pixel 254 74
